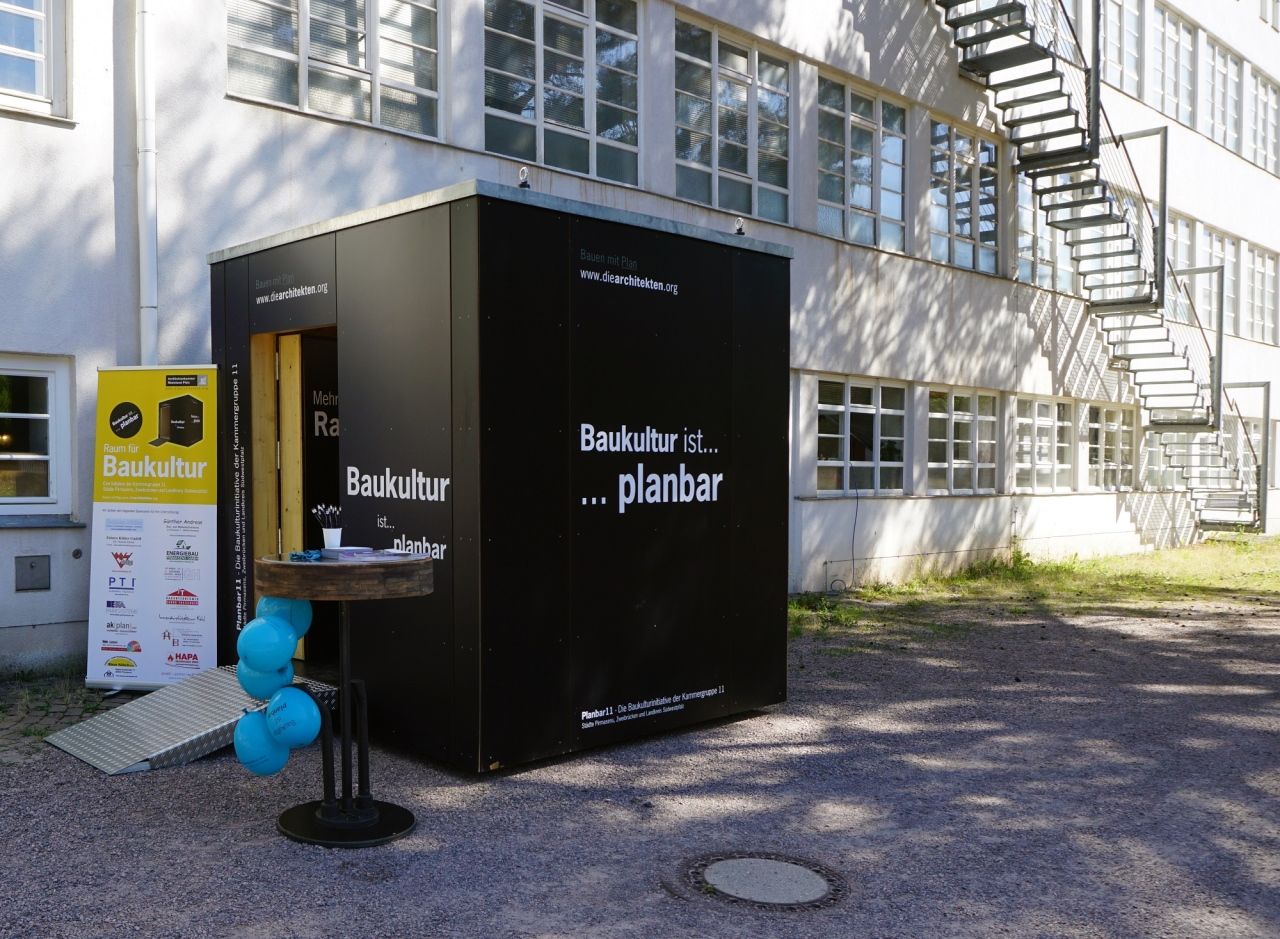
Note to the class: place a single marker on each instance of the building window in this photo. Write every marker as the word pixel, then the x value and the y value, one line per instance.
pixel 1122 44
pixel 1174 90
pixel 35 435
pixel 1220 249
pixel 1110 447
pixel 962 441
pixel 1157 473
pixel 862 148
pixel 861 436
pixel 33 56
pixel 1266 123
pixel 1223 96
pixel 1262 309
pixel 1044 445
pixel 561 84
pixel 1181 255
pixel 1044 256
pixel 369 61
pixel 963 199
pixel 732 124
pixel 1269 10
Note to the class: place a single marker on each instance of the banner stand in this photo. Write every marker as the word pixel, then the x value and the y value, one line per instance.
pixel 153 574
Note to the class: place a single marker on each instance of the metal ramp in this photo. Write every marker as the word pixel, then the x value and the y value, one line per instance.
pixel 171 726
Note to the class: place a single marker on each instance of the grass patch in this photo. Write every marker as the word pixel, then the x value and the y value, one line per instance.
pixel 1240 570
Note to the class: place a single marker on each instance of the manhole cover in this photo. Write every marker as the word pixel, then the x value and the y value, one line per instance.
pixel 769 881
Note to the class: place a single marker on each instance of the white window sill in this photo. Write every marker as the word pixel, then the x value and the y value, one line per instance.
pixel 9 108
pixel 39 521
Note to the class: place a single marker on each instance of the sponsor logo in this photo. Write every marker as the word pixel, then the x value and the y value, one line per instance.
pixel 124 559
pixel 110 646
pixel 182 597
pixel 169 637
pixel 115 626
pixel 117 605
pixel 186 381
pixel 121 583
pixel 181 574
pixel 121 661
pixel 182 552
pixel 179 618
pixel 184 659
pixel 124 524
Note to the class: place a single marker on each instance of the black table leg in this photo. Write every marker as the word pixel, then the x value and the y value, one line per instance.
pixel 355 822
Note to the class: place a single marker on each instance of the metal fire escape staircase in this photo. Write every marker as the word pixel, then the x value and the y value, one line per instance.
pixel 1027 53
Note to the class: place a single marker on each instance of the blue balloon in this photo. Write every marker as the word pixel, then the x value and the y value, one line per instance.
pixel 297 613
pixel 263 685
pixel 256 749
pixel 293 718
pixel 266 643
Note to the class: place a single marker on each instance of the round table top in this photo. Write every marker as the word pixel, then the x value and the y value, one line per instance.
pixel 383 579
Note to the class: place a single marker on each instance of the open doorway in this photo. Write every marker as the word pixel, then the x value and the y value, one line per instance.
pixel 295 431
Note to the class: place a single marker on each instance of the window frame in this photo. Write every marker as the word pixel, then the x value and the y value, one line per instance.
pixel 973 167
pixel 1264 141
pixel 589 23
pixel 52 94
pixel 1043 252
pixel 303 63
pixel 754 84
pixel 57 371
pixel 1260 317
pixel 1118 16
pixel 846 211
pixel 1054 466
pixel 1219 247
pixel 1223 94
pixel 1114 425
pixel 951 442
pixel 877 465
pixel 1166 96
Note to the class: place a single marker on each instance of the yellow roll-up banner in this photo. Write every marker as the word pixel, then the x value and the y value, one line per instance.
pixel 153 589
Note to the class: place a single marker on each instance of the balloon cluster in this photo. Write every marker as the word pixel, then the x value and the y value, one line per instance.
pixel 265 670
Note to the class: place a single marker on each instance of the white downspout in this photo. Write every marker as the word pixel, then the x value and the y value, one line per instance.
pixel 148 249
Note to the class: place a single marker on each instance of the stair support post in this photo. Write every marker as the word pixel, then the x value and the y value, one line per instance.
pixel 1095 84
pixel 1221 338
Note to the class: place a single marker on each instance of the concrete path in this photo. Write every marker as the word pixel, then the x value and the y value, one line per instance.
pixel 1101 777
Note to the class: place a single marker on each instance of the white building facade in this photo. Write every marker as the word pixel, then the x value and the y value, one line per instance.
pixel 954 394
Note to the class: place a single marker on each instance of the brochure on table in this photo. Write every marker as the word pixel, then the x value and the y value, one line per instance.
pixel 153 588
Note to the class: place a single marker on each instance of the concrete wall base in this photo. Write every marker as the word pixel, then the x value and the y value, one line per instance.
pixel 43 649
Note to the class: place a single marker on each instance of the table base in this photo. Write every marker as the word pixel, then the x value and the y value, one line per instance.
pixel 304 823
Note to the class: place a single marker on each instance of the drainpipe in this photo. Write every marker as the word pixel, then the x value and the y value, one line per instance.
pixel 148 250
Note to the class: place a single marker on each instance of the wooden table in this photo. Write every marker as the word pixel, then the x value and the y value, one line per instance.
pixel 357 820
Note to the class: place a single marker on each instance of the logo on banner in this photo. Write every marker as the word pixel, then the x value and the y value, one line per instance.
pixel 182 597
pixel 184 659
pixel 121 583
pixel 169 637
pixel 118 605
pixel 124 559
pixel 182 552
pixel 120 661
pixel 117 523
pixel 115 626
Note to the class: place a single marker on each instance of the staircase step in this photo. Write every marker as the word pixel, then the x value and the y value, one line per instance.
pixel 1053 133
pixel 1106 237
pixel 1099 255
pixel 1069 187
pixel 1136 306
pixel 1001 59
pixel 1075 223
pixel 989 13
pixel 1032 96
pixel 1052 161
pixel 991 35
pixel 1040 118
pixel 1050 206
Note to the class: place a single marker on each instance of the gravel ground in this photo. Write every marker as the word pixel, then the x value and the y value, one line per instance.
pixel 1091 777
